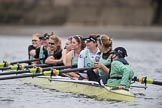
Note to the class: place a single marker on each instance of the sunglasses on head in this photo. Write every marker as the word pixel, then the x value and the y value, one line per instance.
pixel 50 43
pixel 100 40
pixel 79 38
pixel 87 40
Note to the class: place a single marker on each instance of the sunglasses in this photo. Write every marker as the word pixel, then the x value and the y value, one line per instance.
pixel 51 43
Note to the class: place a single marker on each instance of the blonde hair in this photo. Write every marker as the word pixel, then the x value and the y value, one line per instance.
pixel 57 41
pixel 38 35
pixel 106 41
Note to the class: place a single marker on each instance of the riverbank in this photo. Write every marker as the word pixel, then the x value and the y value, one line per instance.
pixel 116 32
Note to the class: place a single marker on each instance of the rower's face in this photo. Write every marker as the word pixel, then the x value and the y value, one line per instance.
pixel 52 45
pixel 114 56
pixel 44 42
pixel 100 46
pixel 74 44
pixel 68 45
pixel 35 41
pixel 90 44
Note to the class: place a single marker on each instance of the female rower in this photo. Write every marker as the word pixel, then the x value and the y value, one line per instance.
pixel 67 49
pixel 88 55
pixel 54 50
pixel 121 72
pixel 35 44
pixel 77 46
pixel 103 61
pixel 42 52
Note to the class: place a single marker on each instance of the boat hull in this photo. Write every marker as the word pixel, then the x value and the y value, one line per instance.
pixel 87 88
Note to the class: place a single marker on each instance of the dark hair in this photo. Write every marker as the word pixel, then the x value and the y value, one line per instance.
pixel 93 38
pixel 80 40
pixel 70 38
pixel 45 36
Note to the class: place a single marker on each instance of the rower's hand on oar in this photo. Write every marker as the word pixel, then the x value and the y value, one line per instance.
pixel 32 53
pixel 97 65
pixel 121 87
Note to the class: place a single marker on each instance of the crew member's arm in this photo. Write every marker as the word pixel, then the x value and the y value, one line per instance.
pixel 56 58
pixel 101 66
pixel 69 63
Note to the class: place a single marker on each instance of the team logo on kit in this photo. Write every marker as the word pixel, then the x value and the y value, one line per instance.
pixel 80 56
pixel 89 65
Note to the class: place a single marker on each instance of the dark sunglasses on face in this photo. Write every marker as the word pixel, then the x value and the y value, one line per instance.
pixel 51 43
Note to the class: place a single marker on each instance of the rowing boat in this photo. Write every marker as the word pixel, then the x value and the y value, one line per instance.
pixel 83 87
pixel 66 84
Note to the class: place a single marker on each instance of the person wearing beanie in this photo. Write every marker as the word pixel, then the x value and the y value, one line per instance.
pixel 121 72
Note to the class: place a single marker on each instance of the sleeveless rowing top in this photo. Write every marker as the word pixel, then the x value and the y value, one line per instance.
pixel 74 61
pixel 30 57
pixel 41 54
pixel 88 62
pixel 105 62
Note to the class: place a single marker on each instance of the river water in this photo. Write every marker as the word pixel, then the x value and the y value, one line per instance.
pixel 144 56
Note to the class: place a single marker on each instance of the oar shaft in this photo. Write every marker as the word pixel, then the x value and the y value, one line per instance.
pixel 14 72
pixel 6 63
pixel 74 70
pixel 157 83
pixel 46 73
pixel 145 80
pixel 57 67
pixel 24 61
pixel 5 68
pixel 21 76
pixel 21 67
pixel 28 71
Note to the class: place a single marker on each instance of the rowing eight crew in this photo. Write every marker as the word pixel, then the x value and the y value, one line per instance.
pixel 110 66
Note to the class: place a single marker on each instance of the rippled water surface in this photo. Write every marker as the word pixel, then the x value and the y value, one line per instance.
pixel 145 57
